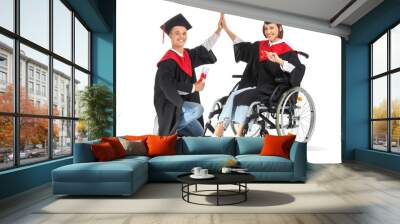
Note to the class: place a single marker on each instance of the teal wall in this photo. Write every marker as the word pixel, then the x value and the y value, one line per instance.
pixel 356 126
pixel 99 16
pixel 24 178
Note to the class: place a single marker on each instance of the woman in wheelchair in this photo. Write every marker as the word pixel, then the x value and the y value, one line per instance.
pixel 267 61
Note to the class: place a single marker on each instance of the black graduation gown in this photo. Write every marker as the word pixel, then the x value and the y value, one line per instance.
pixel 262 74
pixel 169 79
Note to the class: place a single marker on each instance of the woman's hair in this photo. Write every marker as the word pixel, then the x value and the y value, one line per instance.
pixel 280 34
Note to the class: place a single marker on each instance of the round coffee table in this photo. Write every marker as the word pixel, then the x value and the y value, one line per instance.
pixel 238 179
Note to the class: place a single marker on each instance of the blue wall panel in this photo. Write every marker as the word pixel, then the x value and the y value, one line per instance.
pixel 356 123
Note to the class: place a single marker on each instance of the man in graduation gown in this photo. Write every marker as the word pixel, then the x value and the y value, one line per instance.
pixel 176 90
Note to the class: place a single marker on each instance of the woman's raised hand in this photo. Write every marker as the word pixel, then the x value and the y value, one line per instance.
pixel 219 28
pixel 222 21
pixel 225 27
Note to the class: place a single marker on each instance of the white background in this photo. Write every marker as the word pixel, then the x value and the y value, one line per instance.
pixel 139 48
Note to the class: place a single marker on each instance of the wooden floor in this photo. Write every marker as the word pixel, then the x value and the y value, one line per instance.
pixel 377 188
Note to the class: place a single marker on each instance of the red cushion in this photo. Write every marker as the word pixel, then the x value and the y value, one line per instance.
pixel 116 145
pixel 277 145
pixel 103 151
pixel 161 145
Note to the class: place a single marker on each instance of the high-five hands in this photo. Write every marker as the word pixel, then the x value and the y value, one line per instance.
pixel 223 22
pixel 220 27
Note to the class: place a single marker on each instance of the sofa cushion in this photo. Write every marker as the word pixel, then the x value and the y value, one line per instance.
pixel 103 152
pixel 134 147
pixel 185 163
pixel 277 145
pixel 257 163
pixel 161 145
pixel 83 152
pixel 206 145
pixel 246 145
pixel 116 145
pixel 112 171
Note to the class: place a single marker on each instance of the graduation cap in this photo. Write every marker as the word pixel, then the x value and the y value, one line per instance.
pixel 178 20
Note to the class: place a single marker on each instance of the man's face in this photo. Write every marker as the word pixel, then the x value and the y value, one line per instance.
pixel 178 36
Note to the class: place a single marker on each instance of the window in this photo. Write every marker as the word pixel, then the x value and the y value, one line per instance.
pixel 81 45
pixel 44 91
pixel 62 137
pixel 3 78
pixel 30 87
pixel 6 73
pixel 6 142
pixel 385 94
pixel 395 47
pixel 33 148
pixel 62 29
pixel 81 81
pixel 62 75
pixel 43 77
pixel 37 89
pixel 37 74
pixel 3 61
pixel 54 126
pixel 30 72
pixel 7 14
pixel 35 21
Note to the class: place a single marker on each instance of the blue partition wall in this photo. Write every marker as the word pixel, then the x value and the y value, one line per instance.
pixel 99 15
pixel 356 125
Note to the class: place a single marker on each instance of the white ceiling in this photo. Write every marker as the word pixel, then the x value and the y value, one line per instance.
pixel 316 15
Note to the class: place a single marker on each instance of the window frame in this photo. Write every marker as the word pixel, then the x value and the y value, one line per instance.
pixel 15 71
pixel 388 74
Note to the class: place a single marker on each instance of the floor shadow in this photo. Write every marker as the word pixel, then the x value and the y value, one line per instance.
pixel 255 198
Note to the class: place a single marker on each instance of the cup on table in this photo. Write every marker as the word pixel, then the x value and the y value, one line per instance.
pixel 226 170
pixel 196 171
pixel 203 172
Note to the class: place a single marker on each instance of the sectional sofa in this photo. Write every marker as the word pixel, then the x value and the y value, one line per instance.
pixel 125 176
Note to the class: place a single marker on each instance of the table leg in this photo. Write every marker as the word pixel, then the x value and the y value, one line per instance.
pixel 217 194
pixel 245 191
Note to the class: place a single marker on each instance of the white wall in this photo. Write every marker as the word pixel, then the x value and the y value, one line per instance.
pixel 139 48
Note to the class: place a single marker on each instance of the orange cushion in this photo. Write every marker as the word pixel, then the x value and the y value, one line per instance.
pixel 135 138
pixel 116 145
pixel 277 145
pixel 161 145
pixel 103 152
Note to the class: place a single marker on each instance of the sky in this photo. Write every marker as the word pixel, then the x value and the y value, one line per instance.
pixel 139 48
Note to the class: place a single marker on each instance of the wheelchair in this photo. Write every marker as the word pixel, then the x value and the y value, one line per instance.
pixel 289 110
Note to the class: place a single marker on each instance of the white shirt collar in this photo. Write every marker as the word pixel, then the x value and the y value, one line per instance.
pixel 177 52
pixel 276 42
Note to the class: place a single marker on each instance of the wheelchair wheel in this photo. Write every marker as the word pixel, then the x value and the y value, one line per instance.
pixel 295 114
pixel 255 126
